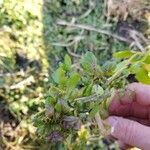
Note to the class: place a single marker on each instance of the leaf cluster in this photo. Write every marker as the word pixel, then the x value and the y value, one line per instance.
pixel 78 94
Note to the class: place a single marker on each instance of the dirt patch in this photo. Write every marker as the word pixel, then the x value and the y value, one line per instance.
pixel 7 123
pixel 5 115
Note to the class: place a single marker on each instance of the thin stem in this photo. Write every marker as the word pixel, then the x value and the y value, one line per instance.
pixel 73 54
pixel 116 74
pixel 100 123
pixel 91 28
pixel 92 98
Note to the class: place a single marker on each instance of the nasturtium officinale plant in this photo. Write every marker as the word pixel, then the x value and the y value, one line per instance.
pixel 79 97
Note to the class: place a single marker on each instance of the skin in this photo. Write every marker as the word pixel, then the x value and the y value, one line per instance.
pixel 130 117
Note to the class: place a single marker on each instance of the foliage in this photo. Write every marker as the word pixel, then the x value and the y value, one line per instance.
pixel 61 103
pixel 81 12
pixel 23 67
pixel 21 31
pixel 76 96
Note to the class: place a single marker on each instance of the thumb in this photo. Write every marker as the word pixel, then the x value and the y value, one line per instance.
pixel 130 132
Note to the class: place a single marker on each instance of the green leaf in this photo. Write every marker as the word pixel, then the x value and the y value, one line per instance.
pixel 123 54
pixel 146 58
pixel 67 62
pixel 58 107
pixel 109 67
pixel 65 107
pixel 97 89
pixel 59 76
pixel 143 76
pixel 89 61
pixel 120 66
pixel 50 100
pixel 73 80
pixel 62 106
pixel 72 83
pixel 94 110
pixel 147 67
pixel 55 91
pixel 134 68
pixel 87 91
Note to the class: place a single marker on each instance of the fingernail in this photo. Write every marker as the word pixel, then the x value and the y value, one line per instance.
pixel 113 122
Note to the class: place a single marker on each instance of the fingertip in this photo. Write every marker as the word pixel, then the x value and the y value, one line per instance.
pixel 142 92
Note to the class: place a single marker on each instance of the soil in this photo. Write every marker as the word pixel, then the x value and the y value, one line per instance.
pixel 7 123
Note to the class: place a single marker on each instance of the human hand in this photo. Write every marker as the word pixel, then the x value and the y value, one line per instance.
pixel 130 117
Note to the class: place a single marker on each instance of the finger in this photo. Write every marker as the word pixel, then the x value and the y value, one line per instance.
pixel 126 97
pixel 130 132
pixel 141 121
pixel 132 104
pixel 142 93
pixel 134 92
pixel 133 109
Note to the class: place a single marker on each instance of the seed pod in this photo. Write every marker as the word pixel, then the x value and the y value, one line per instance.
pixel 55 136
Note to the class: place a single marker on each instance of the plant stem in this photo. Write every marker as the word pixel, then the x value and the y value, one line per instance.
pixel 116 74
pixel 100 123
pixel 93 98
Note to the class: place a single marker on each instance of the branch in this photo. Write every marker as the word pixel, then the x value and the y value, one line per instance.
pixel 73 54
pixel 91 28
pixel 75 40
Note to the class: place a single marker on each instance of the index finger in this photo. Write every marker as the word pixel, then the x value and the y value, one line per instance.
pixel 142 93
pixel 135 102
